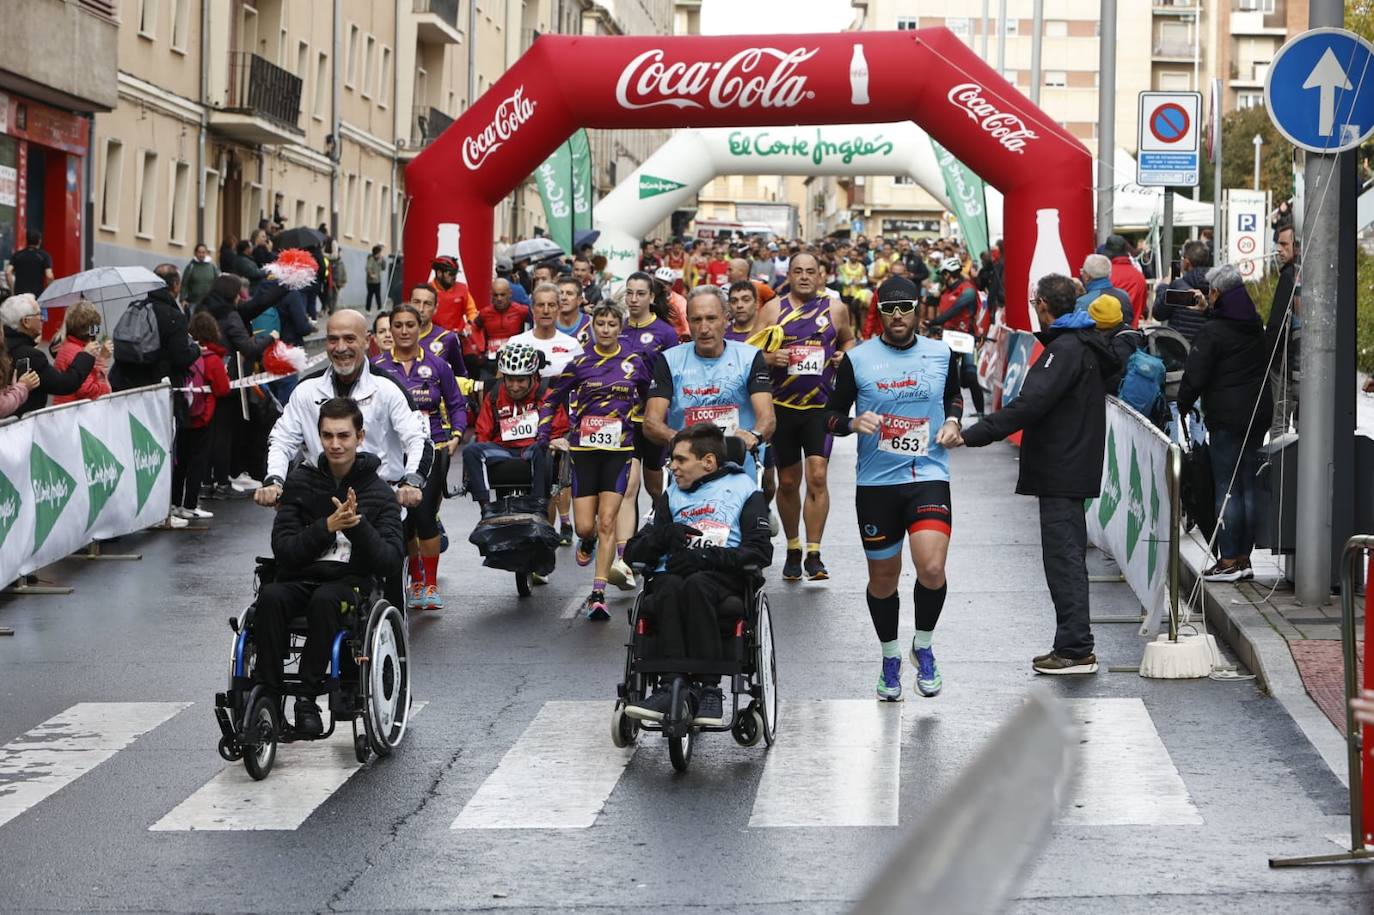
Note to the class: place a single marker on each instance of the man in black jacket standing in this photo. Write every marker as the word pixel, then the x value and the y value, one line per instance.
pixel 337 527
pixel 176 350
pixel 1062 410
pixel 1279 336
pixel 1193 266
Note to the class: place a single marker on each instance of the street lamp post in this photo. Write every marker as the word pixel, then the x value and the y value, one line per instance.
pixel 1106 120
pixel 1259 142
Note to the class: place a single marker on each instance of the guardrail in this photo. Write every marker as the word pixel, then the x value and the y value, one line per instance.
pixel 1361 777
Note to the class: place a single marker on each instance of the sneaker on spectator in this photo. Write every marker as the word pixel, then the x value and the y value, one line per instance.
pixel 224 491
pixel 244 483
pixel 207 491
pixel 173 522
pixel 192 514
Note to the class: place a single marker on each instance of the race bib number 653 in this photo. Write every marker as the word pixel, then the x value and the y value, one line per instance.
pixel 904 435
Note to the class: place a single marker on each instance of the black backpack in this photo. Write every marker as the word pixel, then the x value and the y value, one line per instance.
pixel 136 335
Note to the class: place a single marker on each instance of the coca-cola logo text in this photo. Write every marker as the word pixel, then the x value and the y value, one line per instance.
pixel 513 111
pixel 743 81
pixel 1006 128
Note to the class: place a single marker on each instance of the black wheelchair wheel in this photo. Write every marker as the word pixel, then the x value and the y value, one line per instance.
pixel 229 750
pixel 522 584
pixel 680 748
pixel 384 677
pixel 766 670
pixel 260 733
pixel 624 729
pixel 748 728
pixel 362 751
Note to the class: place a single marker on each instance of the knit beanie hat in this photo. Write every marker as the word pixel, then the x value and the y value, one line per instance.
pixel 1105 310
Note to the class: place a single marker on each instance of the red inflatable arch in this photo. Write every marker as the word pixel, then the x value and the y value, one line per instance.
pixel 927 76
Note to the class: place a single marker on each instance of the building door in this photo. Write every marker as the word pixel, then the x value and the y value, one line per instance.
pixel 231 200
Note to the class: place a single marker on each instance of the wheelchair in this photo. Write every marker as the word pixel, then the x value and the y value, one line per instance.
pixel 368 681
pixel 516 536
pixel 747 630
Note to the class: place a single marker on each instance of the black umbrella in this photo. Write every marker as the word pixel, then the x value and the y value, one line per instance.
pixel 299 237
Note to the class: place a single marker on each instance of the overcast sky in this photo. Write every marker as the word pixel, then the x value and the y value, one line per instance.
pixel 755 17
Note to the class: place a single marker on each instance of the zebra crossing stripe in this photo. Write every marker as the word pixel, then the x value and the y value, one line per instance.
pixel 558 775
pixel 304 776
pixel 839 764
pixel 67 746
pixel 1126 776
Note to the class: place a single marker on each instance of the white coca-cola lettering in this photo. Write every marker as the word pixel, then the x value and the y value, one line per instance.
pixel 1006 128
pixel 738 82
pixel 513 111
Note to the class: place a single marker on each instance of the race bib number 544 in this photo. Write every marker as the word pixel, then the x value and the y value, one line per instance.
pixel 904 435
pixel 805 360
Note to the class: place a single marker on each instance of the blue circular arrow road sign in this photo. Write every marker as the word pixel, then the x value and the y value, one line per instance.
pixel 1320 90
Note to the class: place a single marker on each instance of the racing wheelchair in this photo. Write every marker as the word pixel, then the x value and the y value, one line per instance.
pixel 517 537
pixel 368 681
pixel 746 628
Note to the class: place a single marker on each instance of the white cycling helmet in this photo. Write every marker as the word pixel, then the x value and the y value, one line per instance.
pixel 518 359
pixel 666 275
pixel 951 265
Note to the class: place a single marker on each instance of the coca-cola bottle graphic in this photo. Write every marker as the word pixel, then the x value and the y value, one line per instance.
pixel 452 303
pixel 446 245
pixel 1049 256
pixel 858 77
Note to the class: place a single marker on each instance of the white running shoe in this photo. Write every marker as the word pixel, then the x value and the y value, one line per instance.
pixel 196 514
pixel 244 483
pixel 621 575
pixel 173 522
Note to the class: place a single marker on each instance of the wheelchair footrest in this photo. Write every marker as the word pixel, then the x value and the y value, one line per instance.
pixel 687 666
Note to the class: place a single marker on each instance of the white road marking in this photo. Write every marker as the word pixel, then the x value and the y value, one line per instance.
pixel 1126 776
pixel 839 764
pixel 558 775
pixel 303 777
pixel 68 745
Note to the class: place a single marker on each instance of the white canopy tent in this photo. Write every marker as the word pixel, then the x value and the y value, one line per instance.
pixel 1134 207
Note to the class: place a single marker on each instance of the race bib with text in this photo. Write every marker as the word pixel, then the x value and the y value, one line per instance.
pixel 904 435
pixel 599 432
pixel 805 360
pixel 516 428
pixel 724 416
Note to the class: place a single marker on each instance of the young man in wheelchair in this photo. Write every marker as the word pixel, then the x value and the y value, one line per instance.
pixel 710 524
pixel 508 422
pixel 338 528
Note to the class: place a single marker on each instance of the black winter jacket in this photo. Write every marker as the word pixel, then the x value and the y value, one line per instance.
pixel 179 351
pixel 1062 410
pixel 655 541
pixel 234 319
pixel 300 535
pixel 50 380
pixel 1228 369
pixel 1276 333
pixel 1187 321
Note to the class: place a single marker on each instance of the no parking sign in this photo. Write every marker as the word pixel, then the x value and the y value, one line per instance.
pixel 1168 139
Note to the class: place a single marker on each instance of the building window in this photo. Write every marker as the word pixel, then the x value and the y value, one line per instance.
pixel 383 216
pixel 1056 28
pixel 321 216
pixel 1249 99
pixel 147 19
pixel 959 25
pixel 903 181
pixel 1175 81
pixel 181 24
pixel 351 71
pixel 302 62
pixel 321 85
pixel 146 194
pixel 180 202
pixel 212 228
pixel 1056 79
pixel 110 184
pixel 1013 25
pixel 367 225
pixel 908 23
pixel 350 199
pixel 1256 6
pixel 369 67
pixel 283 48
pixel 300 212
pixel 384 83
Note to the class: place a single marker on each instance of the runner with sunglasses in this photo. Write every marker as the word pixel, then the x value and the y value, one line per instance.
pixel 905 392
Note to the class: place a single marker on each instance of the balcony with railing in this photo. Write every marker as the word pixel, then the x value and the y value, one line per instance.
pixel 1258 22
pixel 436 21
pixel 1174 49
pixel 426 123
pixel 263 105
pixel 1249 74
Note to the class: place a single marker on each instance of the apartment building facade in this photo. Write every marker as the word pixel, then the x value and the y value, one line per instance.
pixel 307 112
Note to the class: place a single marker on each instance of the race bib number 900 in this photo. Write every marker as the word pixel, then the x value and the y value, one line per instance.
pixel 725 417
pixel 517 428
pixel 599 432
pixel 904 435
pixel 805 360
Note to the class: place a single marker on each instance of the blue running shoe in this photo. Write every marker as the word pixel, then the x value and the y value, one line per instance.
pixel 928 681
pixel 890 683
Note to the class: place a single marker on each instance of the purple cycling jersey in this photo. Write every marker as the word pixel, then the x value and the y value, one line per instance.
pixel 448 346
pixel 430 383
pixel 600 392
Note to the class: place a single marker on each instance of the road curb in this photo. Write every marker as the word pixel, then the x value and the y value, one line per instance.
pixel 1232 616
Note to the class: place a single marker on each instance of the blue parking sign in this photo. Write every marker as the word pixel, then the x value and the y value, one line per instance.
pixel 1320 90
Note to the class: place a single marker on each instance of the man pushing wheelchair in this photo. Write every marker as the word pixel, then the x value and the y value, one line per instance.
pixel 337 530
pixel 710 529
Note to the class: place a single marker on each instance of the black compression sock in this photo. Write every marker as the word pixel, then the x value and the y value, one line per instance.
pixel 929 603
pixel 884 612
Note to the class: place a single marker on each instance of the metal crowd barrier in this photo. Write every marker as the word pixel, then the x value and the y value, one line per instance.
pixel 1361 777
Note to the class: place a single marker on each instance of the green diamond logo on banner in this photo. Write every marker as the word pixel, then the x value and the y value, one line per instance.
pixel 148 459
pixel 1111 490
pixel 649 186
pixel 1135 507
pixel 1154 520
pixel 102 474
pixel 9 507
pixel 52 490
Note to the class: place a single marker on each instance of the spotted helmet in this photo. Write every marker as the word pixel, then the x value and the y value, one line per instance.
pixel 518 359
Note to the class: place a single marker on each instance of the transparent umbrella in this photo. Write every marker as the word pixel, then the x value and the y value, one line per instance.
pixel 110 289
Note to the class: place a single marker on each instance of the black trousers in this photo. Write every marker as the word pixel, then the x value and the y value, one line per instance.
pixel 374 292
pixel 224 427
pixel 188 470
pixel 1064 548
pixel 322 605
pixel 684 613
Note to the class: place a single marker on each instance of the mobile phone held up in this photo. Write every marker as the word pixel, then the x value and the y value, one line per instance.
pixel 1180 297
pixel 21 368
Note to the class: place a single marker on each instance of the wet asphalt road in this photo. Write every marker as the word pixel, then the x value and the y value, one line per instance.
pixel 1193 785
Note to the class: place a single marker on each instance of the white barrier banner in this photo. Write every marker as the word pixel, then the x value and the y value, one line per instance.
pixel 83 471
pixel 1130 520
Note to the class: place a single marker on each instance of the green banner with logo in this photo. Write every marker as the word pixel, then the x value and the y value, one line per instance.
pixel 565 185
pixel 966 194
